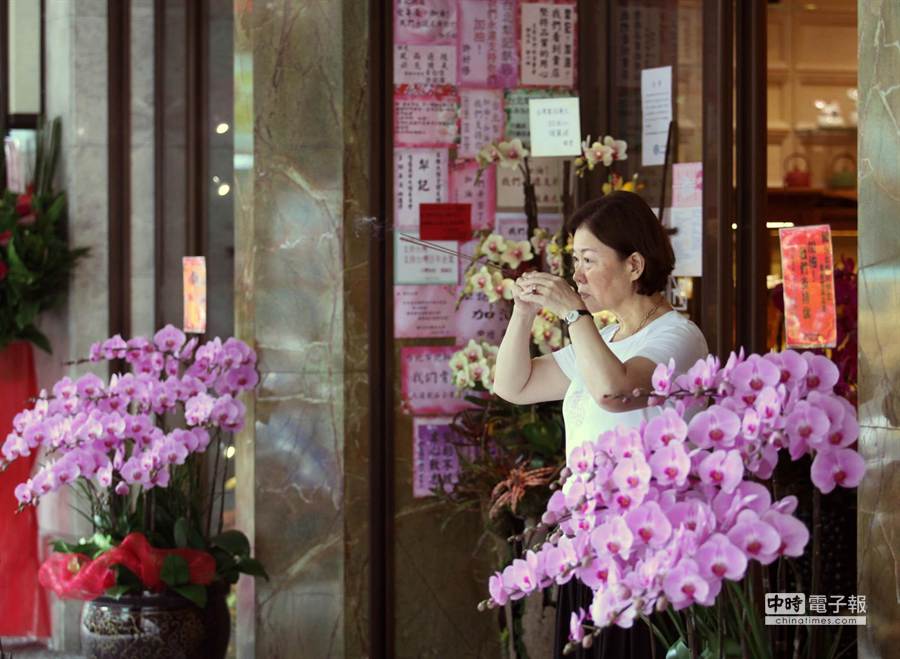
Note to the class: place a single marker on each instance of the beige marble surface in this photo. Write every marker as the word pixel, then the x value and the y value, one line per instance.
pixel 879 319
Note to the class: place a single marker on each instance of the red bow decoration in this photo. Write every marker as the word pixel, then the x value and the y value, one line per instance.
pixel 76 576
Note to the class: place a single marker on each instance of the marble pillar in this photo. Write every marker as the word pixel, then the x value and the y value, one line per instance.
pixel 302 148
pixel 75 51
pixel 300 181
pixel 879 319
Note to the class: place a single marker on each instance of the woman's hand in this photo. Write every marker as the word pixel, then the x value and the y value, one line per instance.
pixel 549 292
pixel 522 302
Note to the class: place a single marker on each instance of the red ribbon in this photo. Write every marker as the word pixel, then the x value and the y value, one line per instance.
pixel 76 576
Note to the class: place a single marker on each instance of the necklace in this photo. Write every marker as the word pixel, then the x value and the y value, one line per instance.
pixel 643 322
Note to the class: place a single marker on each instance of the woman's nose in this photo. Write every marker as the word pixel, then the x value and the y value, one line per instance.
pixel 578 275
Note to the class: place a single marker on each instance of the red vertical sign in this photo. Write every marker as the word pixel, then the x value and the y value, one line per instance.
pixel 807 263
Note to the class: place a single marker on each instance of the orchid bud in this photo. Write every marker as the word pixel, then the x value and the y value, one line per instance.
pixel 587 641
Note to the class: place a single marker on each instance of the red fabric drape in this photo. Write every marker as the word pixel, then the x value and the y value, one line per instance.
pixel 23 604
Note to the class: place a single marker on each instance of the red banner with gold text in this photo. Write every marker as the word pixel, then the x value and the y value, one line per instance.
pixel 807 264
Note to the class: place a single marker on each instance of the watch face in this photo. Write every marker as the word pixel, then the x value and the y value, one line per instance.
pixel 572 316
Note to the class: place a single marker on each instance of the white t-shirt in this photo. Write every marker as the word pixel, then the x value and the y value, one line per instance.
pixel 671 336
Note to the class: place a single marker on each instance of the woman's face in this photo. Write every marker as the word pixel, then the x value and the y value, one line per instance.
pixel 604 279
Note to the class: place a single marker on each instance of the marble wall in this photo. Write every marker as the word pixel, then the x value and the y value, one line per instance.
pixel 879 319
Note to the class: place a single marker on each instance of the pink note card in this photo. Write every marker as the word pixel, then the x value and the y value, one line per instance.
pixel 487 50
pixel 425 21
pixel 426 121
pixel 546 175
pixel 435 460
pixel 426 381
pixel 424 311
pixel 424 65
pixel 479 319
pixel 514 226
pixel 420 176
pixel 547 40
pixel 687 184
pixel 481 195
pixel 482 119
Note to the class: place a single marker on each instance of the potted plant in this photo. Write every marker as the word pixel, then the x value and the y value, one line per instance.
pixel 673 524
pixel 35 259
pixel 143 450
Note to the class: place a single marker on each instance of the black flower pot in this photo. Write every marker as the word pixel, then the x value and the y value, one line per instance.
pixel 156 625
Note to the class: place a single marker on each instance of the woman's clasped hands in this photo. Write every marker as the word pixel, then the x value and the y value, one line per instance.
pixel 540 290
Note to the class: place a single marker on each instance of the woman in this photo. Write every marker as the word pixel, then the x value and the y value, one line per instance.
pixel 623 259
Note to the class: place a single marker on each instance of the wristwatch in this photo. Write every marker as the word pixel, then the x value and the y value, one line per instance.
pixel 575 314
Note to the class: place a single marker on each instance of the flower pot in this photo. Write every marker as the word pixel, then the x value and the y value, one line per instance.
pixel 155 625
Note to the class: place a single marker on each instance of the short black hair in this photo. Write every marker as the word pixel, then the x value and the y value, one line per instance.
pixel 623 221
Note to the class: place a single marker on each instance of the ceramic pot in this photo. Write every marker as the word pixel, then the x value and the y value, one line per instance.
pixel 156 625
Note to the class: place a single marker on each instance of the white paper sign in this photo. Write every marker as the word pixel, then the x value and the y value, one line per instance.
pixel 656 108
pixel 424 65
pixel 415 264
pixel 687 242
pixel 555 127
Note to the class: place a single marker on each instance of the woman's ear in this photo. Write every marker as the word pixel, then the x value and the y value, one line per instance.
pixel 636 265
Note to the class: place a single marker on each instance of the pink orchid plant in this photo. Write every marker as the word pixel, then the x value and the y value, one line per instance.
pixel 132 444
pixel 666 514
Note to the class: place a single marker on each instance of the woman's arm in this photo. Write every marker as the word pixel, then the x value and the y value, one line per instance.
pixel 520 379
pixel 605 377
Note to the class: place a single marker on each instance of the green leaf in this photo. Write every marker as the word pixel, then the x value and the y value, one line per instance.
pixel 252 567
pixel 678 651
pixel 232 541
pixel 230 576
pixel 175 571
pixel 117 591
pixel 87 548
pixel 127 578
pixel 195 539
pixel 193 592
pixel 33 334
pixel 181 533
pixel 55 211
pixel 26 313
pixel 17 269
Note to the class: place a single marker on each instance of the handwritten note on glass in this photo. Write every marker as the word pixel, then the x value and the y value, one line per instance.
pixel 424 65
pixel 426 121
pixel 482 119
pixel 547 39
pixel 487 44
pixel 420 175
pixel 424 21
pixel 555 126
pixel 481 195
pixel 426 382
